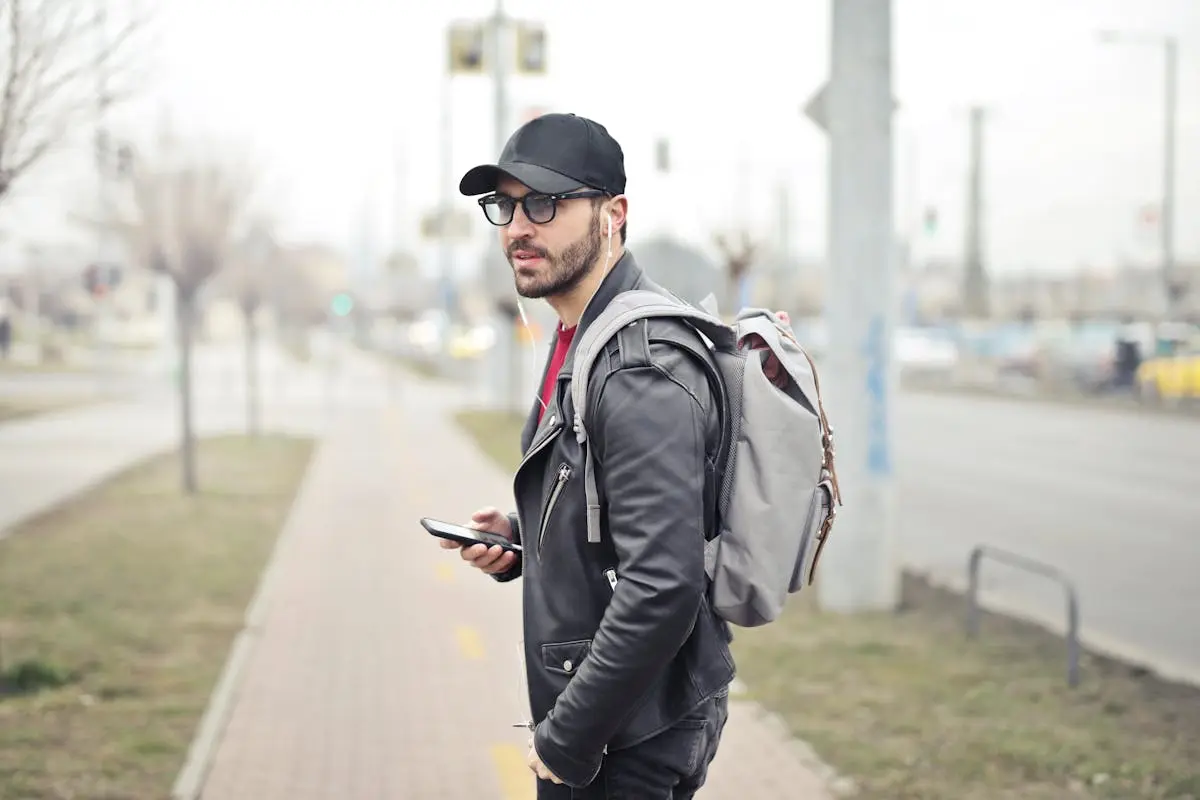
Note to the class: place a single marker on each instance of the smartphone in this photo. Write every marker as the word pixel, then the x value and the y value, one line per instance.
pixel 466 536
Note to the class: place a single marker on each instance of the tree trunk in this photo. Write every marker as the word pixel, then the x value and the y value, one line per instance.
pixel 184 310
pixel 734 291
pixel 253 402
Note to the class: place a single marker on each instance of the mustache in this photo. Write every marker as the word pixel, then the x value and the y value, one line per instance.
pixel 526 248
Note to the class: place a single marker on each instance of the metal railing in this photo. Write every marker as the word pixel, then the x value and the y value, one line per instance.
pixel 1037 568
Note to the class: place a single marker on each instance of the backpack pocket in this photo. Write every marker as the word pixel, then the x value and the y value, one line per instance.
pixel 812 540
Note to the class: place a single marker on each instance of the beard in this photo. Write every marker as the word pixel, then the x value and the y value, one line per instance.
pixel 561 272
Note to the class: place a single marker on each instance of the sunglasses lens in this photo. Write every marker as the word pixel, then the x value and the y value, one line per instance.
pixel 540 208
pixel 498 210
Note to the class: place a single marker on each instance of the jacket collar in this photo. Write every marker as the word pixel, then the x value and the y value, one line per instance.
pixel 624 275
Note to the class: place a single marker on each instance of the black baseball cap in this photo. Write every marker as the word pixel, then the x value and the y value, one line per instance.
pixel 554 153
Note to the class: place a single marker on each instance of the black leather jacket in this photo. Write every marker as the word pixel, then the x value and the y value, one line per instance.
pixel 620 642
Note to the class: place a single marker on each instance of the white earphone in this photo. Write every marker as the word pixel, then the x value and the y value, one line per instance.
pixel 525 320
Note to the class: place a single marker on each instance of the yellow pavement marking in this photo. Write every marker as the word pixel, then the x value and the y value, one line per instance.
pixel 470 643
pixel 516 781
pixel 445 572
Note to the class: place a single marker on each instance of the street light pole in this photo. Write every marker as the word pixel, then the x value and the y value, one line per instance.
pixel 499 77
pixel 1166 227
pixel 1167 224
pixel 511 396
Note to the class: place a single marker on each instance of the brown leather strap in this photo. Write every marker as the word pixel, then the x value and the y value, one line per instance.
pixel 826 431
pixel 827 462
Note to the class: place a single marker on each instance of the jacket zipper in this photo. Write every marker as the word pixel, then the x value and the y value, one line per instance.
pixel 551 431
pixel 564 475
pixel 611 574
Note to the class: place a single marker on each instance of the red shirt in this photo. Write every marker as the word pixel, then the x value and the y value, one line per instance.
pixel 556 361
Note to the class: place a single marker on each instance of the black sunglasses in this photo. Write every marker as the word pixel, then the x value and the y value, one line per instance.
pixel 539 208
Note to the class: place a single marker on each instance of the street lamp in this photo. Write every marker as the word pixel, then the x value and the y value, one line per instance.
pixel 1170 47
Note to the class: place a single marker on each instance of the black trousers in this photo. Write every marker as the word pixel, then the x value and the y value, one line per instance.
pixel 669 766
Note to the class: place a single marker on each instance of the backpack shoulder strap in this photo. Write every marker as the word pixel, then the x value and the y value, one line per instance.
pixel 625 309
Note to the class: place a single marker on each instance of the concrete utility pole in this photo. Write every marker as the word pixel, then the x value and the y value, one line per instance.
pixel 859 570
pixel 975 283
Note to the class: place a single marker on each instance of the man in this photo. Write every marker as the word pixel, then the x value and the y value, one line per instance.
pixel 628 667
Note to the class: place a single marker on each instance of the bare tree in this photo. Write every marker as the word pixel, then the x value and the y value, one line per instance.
pixel 55 57
pixel 188 206
pixel 257 258
pixel 738 259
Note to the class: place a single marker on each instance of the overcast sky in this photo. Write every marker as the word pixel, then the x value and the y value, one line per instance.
pixel 339 96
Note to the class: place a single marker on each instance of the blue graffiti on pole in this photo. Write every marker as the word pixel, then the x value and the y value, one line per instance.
pixel 879 460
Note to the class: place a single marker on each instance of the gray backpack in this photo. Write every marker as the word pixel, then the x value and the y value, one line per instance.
pixel 778 486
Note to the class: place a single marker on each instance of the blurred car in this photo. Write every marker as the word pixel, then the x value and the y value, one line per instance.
pixel 925 350
pixel 1173 373
pixel 472 342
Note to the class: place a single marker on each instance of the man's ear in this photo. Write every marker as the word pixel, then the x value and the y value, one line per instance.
pixel 618 207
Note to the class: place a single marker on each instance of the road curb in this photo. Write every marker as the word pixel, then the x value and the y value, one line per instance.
pixel 835 783
pixel 1108 647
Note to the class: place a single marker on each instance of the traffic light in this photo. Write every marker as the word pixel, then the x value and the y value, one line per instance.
pixel 341 305
pixel 124 161
pixel 662 155
pixel 465 48
pixel 91 279
pixel 531 49
pixel 100 279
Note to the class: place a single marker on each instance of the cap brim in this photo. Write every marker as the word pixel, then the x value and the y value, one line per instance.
pixel 485 177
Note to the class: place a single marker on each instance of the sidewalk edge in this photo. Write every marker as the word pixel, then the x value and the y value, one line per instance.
pixel 189 782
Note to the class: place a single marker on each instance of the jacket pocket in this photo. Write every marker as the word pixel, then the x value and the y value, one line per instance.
pixel 560 482
pixel 564 658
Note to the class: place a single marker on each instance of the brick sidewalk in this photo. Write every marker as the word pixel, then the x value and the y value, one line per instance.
pixel 383 667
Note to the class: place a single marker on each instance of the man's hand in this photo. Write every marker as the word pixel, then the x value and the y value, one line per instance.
pixel 491 560
pixel 538 768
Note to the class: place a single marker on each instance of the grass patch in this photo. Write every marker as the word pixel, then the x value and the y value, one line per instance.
pixel 296 346
pixel 117 612
pixel 497 433
pixel 22 407
pixel 427 369
pixel 49 367
pixel 910 709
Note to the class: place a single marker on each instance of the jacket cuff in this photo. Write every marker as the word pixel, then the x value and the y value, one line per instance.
pixel 513 572
pixel 510 574
pixel 570 768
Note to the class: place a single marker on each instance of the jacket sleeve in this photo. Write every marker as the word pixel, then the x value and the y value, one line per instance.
pixel 513 572
pixel 649 438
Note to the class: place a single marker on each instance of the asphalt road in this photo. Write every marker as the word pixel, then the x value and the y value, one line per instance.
pixel 51 456
pixel 1110 497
